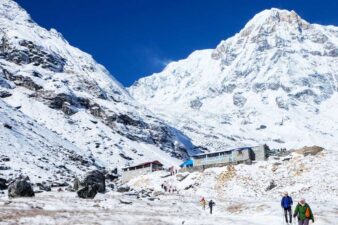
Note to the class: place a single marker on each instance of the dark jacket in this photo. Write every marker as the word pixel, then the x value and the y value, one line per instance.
pixel 300 212
pixel 286 202
pixel 211 203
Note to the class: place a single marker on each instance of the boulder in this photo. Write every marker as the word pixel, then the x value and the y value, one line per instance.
pixel 7 126
pixel 111 176
pixel 5 159
pixel 76 184
pixel 95 177
pixel 89 191
pixel 21 187
pixel 111 186
pixel 44 186
pixel 123 189
pixel 271 186
pixel 5 94
pixel 126 202
pixel 3 185
pixel 314 150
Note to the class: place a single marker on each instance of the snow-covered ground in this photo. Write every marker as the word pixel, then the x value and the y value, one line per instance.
pixel 66 208
pixel 239 192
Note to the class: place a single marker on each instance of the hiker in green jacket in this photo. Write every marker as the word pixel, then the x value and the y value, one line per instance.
pixel 304 213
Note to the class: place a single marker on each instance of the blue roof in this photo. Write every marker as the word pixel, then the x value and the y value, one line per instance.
pixel 187 163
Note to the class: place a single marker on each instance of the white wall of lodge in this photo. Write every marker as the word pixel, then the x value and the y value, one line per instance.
pixel 259 152
pixel 222 157
pixel 132 172
pixel 232 156
pixel 127 175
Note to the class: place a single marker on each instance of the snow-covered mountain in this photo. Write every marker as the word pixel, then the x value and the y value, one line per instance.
pixel 274 82
pixel 67 92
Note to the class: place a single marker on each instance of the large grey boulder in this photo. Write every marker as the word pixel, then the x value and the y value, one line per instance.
pixel 3 185
pixel 21 187
pixel 89 191
pixel 95 177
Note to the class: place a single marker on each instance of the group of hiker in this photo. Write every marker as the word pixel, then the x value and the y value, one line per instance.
pixel 204 203
pixel 168 188
pixel 173 171
pixel 302 211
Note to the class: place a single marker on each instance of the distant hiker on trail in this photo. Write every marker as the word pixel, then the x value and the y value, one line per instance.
pixel 286 204
pixel 211 205
pixel 171 170
pixel 203 203
pixel 304 213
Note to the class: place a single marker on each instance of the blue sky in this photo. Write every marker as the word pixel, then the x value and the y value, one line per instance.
pixel 135 38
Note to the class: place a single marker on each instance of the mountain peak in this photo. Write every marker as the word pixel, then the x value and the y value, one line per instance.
pixel 275 16
pixel 277 65
pixel 10 10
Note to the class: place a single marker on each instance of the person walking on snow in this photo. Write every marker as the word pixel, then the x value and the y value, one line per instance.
pixel 211 205
pixel 203 203
pixel 304 213
pixel 286 204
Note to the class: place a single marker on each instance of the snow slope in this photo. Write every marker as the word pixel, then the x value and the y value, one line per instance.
pixel 66 91
pixel 274 82
pixel 32 150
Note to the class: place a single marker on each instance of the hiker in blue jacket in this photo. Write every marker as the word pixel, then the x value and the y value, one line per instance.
pixel 286 204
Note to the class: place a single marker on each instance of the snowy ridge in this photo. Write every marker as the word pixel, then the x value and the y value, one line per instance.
pixel 274 82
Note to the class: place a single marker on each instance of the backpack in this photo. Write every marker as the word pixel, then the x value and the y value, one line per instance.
pixel 307 212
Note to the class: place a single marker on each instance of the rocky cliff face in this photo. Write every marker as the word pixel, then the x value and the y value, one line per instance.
pixel 66 91
pixel 273 82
